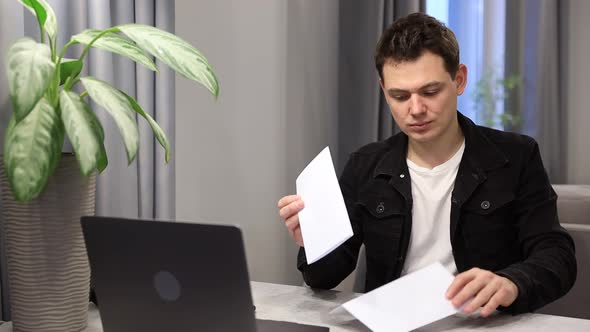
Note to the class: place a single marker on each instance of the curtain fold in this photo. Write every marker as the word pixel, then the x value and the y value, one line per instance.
pixel 533 49
pixel 146 188
pixel 363 114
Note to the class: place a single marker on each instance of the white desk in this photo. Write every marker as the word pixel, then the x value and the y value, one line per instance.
pixel 303 305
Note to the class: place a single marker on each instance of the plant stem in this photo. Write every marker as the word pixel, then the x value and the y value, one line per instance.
pixel 84 94
pixel 70 83
pixel 104 32
pixel 52 47
pixel 63 51
pixel 58 71
pixel 42 31
pixel 67 82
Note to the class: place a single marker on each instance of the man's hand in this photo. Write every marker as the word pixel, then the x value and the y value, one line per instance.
pixel 289 207
pixel 487 289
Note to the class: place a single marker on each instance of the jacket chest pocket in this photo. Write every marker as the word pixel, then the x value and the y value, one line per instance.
pixel 488 224
pixel 383 219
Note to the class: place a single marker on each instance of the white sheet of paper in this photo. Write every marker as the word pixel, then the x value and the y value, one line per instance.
pixel 407 303
pixel 324 220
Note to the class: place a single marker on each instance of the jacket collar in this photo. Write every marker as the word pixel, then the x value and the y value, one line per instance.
pixel 480 153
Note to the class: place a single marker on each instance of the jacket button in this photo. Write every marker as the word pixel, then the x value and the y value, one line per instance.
pixel 485 205
pixel 380 208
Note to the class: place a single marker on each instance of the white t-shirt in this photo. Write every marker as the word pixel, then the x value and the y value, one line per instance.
pixel 430 240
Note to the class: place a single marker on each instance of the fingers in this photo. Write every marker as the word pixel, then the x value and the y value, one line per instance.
pixel 292 223
pixel 487 289
pixel 506 294
pixel 284 201
pixel 477 281
pixel 482 297
pixel 498 298
pixel 459 282
pixel 290 206
pixel 296 235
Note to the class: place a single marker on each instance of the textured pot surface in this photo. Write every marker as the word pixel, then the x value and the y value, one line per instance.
pixel 48 271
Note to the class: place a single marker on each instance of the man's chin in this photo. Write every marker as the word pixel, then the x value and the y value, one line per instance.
pixel 422 138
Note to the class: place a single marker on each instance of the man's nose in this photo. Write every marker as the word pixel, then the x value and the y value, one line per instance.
pixel 416 104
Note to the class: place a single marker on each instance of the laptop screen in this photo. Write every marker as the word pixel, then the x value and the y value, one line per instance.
pixel 172 276
pixel 169 276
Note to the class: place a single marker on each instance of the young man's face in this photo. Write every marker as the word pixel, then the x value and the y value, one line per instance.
pixel 422 96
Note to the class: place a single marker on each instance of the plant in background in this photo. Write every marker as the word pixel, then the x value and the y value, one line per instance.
pixel 489 90
pixel 46 108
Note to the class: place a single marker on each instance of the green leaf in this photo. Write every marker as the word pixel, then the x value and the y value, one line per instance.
pixel 45 15
pixel 158 132
pixel 119 107
pixel 37 10
pixel 103 161
pixel 175 52
pixel 69 67
pixel 32 150
pixel 112 42
pixel 84 131
pixel 30 70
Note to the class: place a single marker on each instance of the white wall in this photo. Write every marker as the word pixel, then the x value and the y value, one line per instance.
pixel 237 156
pixel 575 32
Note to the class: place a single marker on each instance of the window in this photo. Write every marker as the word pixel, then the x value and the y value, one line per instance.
pixel 479 26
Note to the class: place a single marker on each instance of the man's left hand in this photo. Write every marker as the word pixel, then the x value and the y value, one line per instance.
pixel 487 289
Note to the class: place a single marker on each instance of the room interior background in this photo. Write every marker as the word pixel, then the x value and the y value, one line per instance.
pixel 296 76
pixel 288 90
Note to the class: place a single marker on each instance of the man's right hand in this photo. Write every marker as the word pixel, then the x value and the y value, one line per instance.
pixel 289 207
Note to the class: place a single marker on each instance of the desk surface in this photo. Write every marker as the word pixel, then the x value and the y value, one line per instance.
pixel 307 306
pixel 304 305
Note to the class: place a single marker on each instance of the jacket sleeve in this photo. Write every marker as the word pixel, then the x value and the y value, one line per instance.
pixel 549 268
pixel 329 271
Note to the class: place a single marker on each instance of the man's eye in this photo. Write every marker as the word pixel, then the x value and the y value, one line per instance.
pixel 400 97
pixel 430 93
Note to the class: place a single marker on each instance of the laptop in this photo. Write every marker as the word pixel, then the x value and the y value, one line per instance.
pixel 171 276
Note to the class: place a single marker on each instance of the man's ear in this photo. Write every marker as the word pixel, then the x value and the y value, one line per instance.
pixel 461 79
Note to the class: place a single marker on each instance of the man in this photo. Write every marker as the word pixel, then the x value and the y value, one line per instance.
pixel 476 199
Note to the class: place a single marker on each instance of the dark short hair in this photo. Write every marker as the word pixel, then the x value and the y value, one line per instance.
pixel 409 37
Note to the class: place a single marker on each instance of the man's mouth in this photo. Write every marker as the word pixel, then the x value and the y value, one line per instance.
pixel 420 125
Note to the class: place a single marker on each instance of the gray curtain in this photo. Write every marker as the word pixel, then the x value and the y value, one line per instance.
pixel 533 47
pixel 363 114
pixel 146 188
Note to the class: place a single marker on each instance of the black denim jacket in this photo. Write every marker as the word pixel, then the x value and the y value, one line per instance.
pixel 503 217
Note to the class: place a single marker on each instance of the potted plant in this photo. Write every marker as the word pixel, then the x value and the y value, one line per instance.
pixel 46 256
pixel 491 89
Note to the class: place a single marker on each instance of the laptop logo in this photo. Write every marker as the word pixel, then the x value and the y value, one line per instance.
pixel 167 286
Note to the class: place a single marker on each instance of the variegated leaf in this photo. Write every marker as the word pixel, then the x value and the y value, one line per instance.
pixel 119 107
pixel 32 150
pixel 30 69
pixel 46 15
pixel 158 132
pixel 112 42
pixel 83 129
pixel 175 52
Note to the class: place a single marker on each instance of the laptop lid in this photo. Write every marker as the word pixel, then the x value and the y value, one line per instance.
pixel 169 276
